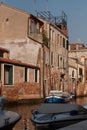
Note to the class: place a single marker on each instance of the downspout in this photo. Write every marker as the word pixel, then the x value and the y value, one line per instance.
pixel 49 56
pixel 43 72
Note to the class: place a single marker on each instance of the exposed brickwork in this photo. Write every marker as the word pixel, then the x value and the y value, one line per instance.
pixel 26 48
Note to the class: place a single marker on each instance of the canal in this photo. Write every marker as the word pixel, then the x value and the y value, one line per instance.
pixel 25 110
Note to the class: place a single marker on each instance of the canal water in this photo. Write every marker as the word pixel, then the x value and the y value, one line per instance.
pixel 25 110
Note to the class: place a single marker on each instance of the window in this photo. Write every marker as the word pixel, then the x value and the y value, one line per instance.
pixel 64 42
pixel 8 74
pixel 36 75
pixel 58 38
pixel 58 60
pixel 67 44
pixel 80 71
pixel 46 58
pixel 61 62
pixel 52 60
pixel 80 74
pixel 33 26
pixel 25 74
pixel 73 73
pixel 1 54
pixel 52 35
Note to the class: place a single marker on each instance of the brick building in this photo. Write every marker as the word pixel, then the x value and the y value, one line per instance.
pixel 37 54
pixel 57 33
pixel 78 52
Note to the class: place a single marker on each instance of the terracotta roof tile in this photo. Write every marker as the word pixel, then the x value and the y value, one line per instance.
pixel 19 63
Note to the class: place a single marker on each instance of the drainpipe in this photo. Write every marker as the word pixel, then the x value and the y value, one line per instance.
pixel 43 73
pixel 49 58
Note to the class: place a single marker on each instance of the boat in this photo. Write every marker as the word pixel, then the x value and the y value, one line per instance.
pixel 54 115
pixel 57 97
pixel 77 126
pixel 8 119
pixel 54 99
pixel 72 95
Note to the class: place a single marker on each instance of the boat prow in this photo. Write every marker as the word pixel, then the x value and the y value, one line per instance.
pixel 8 119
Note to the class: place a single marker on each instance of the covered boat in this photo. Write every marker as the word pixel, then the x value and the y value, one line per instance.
pixel 53 116
pixel 54 99
pixel 77 126
pixel 8 119
pixel 57 97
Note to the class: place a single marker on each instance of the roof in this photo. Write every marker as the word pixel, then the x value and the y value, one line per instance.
pixel 75 46
pixel 76 43
pixel 35 17
pixel 19 63
pixel 14 8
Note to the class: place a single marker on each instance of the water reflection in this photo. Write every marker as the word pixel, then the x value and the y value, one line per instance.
pixel 25 111
pixel 80 100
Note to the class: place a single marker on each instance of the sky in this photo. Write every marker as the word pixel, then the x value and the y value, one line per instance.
pixel 76 11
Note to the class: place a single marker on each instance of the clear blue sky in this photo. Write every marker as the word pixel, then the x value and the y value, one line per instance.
pixel 76 11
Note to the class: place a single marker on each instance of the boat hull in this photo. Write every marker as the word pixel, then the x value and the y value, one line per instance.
pixel 54 100
pixel 56 125
pixel 9 126
pixel 8 119
pixel 57 97
pixel 54 116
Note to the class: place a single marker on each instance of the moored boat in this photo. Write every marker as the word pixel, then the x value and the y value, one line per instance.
pixel 77 126
pixel 53 116
pixel 8 119
pixel 57 97
pixel 54 99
